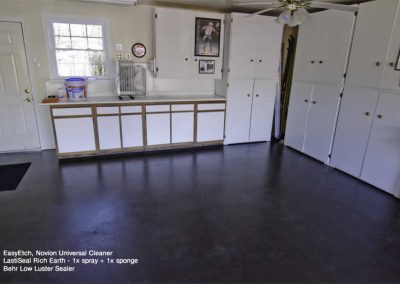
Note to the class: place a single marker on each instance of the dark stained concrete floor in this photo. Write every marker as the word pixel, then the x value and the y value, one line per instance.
pixel 244 213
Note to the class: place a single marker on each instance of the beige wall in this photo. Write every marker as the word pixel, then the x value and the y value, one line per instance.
pixel 127 25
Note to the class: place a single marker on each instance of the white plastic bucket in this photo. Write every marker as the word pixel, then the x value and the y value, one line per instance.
pixel 76 88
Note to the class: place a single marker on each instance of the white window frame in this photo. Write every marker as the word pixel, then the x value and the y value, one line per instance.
pixel 83 21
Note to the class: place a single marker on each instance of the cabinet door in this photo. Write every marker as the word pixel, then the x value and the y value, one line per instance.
pixel 238 114
pixel 370 44
pixel 182 127
pixel 268 47
pixel 210 126
pixel 262 110
pixel 158 128
pixel 353 128
pixel 391 76
pixel 109 132
pixel 174 41
pixel 297 114
pixel 334 44
pixel 306 50
pixel 321 121
pixel 132 130
pixel 242 46
pixel 74 134
pixel 382 161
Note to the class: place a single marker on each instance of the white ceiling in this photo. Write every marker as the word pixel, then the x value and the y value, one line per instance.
pixel 226 5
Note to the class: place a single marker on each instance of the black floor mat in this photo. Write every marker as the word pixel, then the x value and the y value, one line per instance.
pixel 11 175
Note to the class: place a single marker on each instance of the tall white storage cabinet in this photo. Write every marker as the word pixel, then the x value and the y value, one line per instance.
pixel 175 44
pixel 320 66
pixel 252 56
pixel 367 138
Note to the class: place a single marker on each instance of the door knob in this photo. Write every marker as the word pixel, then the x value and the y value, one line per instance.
pixel 367 113
pixel 314 102
pixel 312 62
pixel 251 60
pixel 27 91
pixel 320 62
pixel 27 100
pixel 186 59
pixel 380 116
pixel 377 63
pixel 391 64
pixel 248 95
pixel 260 60
pixel 306 100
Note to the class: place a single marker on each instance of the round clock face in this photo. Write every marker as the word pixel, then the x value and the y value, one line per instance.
pixel 138 50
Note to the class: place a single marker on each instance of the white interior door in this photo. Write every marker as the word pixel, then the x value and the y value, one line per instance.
pixel 174 41
pixel 321 121
pixel 242 46
pixel 238 110
pixel 268 47
pixel 262 110
pixel 297 114
pixel 370 44
pixel 382 160
pixel 334 44
pixel 18 128
pixel 353 128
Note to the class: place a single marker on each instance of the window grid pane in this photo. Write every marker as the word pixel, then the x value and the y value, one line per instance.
pixel 79 50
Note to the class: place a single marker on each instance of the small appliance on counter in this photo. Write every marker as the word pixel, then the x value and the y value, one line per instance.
pixel 76 88
pixel 130 80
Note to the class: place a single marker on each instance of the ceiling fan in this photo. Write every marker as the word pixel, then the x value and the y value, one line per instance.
pixel 295 12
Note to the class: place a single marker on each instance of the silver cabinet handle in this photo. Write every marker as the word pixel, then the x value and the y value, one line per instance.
pixel 257 95
pixel 380 116
pixel 377 63
pixel 391 64
pixel 306 101
pixel 248 95
pixel 367 113
pixel 314 102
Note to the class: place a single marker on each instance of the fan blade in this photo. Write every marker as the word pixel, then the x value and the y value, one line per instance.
pixel 341 7
pixel 254 3
pixel 262 11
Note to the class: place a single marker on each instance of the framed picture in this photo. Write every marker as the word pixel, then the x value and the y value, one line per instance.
pixel 207 37
pixel 206 66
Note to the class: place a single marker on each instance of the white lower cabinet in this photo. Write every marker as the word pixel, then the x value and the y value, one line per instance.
pixel 74 134
pixel 158 128
pixel 182 127
pixel 311 118
pixel 250 109
pixel 210 126
pixel 132 130
pixel 382 160
pixel 109 132
pixel 353 128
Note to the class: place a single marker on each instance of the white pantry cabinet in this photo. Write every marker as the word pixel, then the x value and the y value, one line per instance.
pixel 254 46
pixel 175 32
pixel 250 110
pixel 322 48
pixel 311 118
pixel 382 160
pixel 74 134
pixel 353 128
pixel 372 35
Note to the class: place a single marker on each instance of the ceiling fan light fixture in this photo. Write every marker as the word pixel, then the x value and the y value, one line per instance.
pixel 293 18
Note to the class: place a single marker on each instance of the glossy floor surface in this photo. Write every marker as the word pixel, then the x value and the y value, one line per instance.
pixel 244 213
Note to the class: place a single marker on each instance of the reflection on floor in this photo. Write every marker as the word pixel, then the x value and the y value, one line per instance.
pixel 244 213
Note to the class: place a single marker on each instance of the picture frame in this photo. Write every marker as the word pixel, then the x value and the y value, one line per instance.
pixel 207 37
pixel 206 66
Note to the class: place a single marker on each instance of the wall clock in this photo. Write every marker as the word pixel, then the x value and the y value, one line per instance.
pixel 138 50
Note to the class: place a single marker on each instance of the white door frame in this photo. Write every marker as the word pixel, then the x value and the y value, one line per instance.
pixel 19 20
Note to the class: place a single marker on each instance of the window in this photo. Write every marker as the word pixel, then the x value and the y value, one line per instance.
pixel 78 48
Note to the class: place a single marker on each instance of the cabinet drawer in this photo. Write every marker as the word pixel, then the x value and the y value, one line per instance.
pixel 72 111
pixel 107 110
pixel 131 109
pixel 187 107
pixel 158 108
pixel 211 107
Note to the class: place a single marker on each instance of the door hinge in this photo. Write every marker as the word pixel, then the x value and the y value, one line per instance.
pixel 222 70
pixel 330 156
pixel 227 85
pixel 229 70
pixel 341 95
pixel 157 69
pixel 356 13
pixel 345 75
pixel 231 20
pixel 155 16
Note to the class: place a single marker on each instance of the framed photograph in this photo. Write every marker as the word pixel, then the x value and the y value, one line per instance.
pixel 207 37
pixel 206 66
